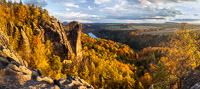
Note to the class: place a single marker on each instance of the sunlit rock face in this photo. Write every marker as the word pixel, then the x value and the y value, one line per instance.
pixel 7 50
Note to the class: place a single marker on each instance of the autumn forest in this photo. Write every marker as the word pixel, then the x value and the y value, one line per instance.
pixel 123 60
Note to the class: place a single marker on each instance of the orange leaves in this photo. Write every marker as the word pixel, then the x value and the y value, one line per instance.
pixel 107 49
pixel 20 12
pixel 146 80
pixel 105 69
pixel 152 67
pixel 121 52
pixel 132 33
pixel 36 40
pixel 137 56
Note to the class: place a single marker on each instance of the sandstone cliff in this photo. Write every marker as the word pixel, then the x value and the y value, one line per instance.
pixel 64 46
pixel 14 71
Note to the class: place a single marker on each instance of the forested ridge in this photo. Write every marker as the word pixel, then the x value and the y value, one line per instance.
pixel 105 63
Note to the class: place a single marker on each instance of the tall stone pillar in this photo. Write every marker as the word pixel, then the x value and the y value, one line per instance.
pixel 74 38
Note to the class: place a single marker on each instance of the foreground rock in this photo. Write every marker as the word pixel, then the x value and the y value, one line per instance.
pixel 193 80
pixel 13 75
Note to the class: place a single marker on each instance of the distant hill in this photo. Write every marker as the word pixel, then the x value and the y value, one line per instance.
pixel 65 23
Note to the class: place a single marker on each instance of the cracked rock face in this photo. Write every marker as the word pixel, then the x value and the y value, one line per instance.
pixel 13 75
pixel 64 45
pixel 7 50
pixel 192 81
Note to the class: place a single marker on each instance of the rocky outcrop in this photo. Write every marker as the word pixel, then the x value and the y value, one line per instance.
pixel 63 45
pixel 74 38
pixel 7 50
pixel 4 41
pixel 25 44
pixel 193 80
pixel 56 34
pixel 13 75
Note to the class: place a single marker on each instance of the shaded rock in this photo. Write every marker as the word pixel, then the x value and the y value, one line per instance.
pixel 196 86
pixel 64 46
pixel 58 37
pixel 74 38
pixel 36 73
pixel 193 79
pixel 69 45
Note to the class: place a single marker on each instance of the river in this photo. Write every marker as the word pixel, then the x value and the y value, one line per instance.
pixel 92 35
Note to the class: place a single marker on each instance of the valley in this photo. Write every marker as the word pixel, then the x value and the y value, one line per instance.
pixel 137 36
pixel 42 47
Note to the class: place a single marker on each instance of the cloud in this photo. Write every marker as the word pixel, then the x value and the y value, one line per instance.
pixel 158 1
pixel 75 16
pixel 135 10
pixel 196 14
pixel 89 8
pixel 168 12
pixel 125 10
pixel 187 20
pixel 42 3
pixel 101 1
pixel 71 1
pixel 67 9
pixel 70 5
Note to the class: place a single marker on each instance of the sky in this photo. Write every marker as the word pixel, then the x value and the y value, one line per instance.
pixel 122 11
